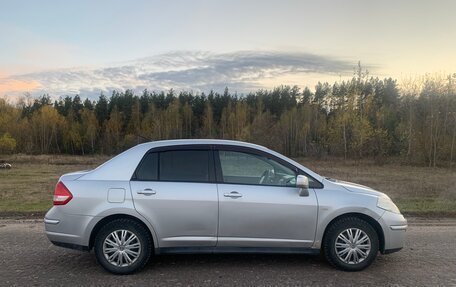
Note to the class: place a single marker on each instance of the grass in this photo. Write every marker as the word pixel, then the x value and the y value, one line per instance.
pixel 416 190
pixel 27 188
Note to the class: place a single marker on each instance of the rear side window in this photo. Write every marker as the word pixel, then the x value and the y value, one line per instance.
pixel 148 170
pixel 184 165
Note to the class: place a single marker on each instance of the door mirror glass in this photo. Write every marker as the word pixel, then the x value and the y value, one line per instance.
pixel 302 182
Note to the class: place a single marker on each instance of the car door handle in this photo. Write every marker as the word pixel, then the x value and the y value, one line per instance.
pixel 233 194
pixel 146 191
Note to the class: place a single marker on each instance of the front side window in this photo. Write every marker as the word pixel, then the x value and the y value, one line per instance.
pixel 247 168
pixel 184 165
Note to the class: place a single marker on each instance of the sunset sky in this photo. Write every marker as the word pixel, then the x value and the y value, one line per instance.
pixel 86 47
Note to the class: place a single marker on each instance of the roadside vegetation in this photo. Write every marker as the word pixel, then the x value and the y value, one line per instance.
pixel 26 189
pixel 399 138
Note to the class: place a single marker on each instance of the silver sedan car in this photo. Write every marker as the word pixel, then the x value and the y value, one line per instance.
pixel 218 196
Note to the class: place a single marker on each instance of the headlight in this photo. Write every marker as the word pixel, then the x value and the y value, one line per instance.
pixel 384 202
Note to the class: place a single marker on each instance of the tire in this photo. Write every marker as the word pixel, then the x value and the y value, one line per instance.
pixel 339 256
pixel 136 245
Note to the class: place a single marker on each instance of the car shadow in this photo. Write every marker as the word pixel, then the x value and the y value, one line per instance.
pixel 235 260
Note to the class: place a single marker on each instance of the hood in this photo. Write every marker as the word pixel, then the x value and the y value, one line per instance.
pixel 354 187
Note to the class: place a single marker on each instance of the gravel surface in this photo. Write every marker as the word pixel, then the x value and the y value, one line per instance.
pixel 27 258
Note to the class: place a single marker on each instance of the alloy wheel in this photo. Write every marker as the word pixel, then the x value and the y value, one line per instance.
pixel 352 246
pixel 121 248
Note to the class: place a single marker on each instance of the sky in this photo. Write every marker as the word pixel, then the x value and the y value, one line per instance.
pixel 86 47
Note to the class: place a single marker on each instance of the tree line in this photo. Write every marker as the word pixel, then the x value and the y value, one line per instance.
pixel 362 117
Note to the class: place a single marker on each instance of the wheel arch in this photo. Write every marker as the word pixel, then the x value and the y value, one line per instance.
pixel 112 217
pixel 374 223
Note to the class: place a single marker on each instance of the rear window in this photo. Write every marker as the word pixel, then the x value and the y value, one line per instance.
pixel 184 165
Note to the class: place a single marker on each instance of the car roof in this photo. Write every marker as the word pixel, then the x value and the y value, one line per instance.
pixel 201 141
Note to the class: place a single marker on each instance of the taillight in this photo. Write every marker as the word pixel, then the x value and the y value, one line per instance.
pixel 61 194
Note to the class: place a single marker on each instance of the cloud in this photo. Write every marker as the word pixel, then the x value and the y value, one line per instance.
pixel 241 71
pixel 10 85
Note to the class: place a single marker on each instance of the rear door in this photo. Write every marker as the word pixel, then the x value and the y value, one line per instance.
pixel 175 190
pixel 260 205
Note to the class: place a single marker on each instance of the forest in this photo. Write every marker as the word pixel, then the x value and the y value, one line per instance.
pixel 364 117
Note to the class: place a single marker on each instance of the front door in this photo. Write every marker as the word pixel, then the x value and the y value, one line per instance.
pixel 259 204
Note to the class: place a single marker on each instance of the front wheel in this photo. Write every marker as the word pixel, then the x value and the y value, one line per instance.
pixel 123 246
pixel 351 244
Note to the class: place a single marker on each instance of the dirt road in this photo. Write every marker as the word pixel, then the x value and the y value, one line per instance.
pixel 28 259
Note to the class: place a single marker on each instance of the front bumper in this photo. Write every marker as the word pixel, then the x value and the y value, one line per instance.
pixel 394 227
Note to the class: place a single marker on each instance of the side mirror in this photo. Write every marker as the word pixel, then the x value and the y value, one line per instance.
pixel 303 183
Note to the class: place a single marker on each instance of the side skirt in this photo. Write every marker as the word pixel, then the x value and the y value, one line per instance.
pixel 389 251
pixel 71 246
pixel 265 250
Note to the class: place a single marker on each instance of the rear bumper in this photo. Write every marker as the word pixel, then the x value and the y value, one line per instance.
pixel 394 229
pixel 67 230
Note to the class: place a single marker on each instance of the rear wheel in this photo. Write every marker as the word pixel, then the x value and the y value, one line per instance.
pixel 351 244
pixel 123 246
